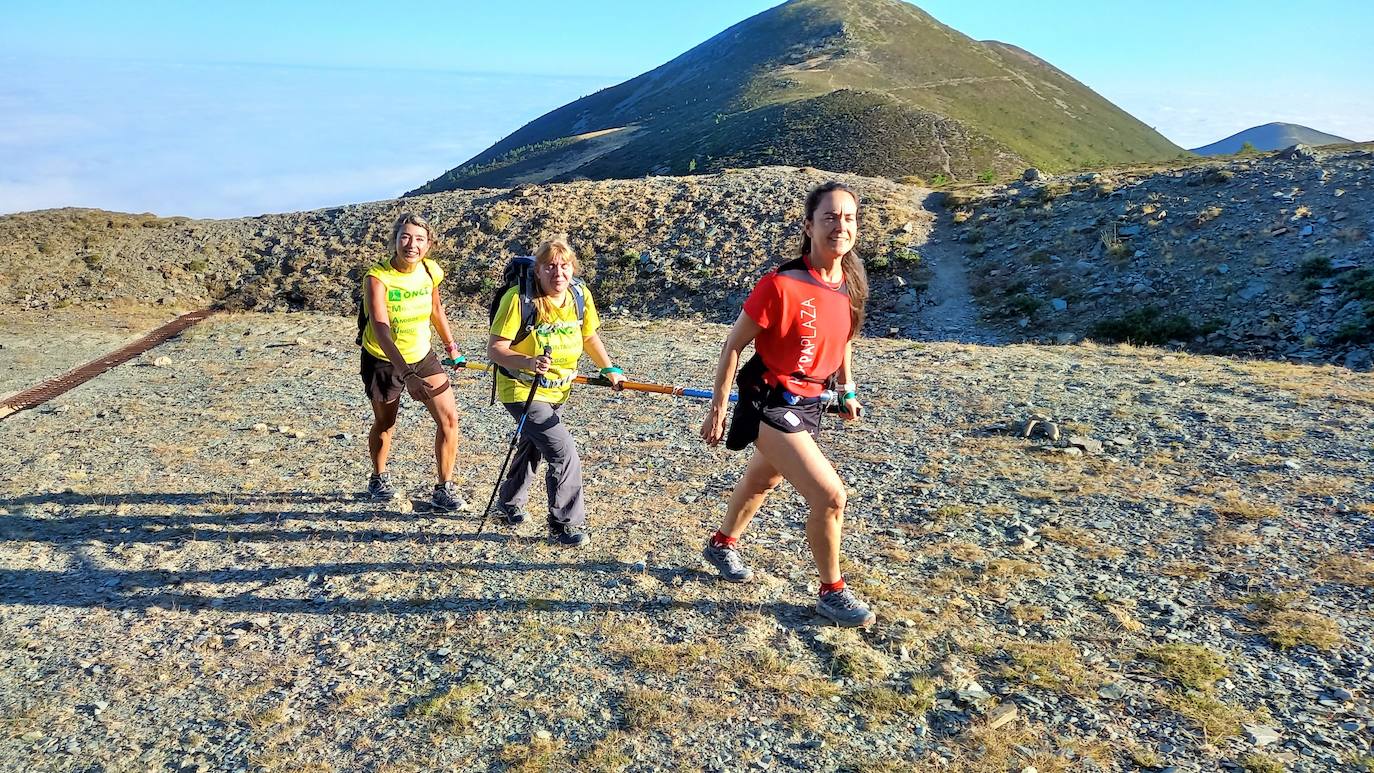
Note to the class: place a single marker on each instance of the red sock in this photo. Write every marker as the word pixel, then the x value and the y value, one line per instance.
pixel 722 540
pixel 831 587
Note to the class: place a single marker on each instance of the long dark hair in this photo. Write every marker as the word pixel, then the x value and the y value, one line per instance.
pixel 854 274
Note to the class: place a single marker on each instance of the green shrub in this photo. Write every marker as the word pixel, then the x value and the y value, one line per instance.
pixel 1023 304
pixel 1359 283
pixel 939 180
pixel 878 262
pixel 496 222
pixel 628 258
pixel 1315 267
pixel 1147 325
pixel 197 266
pixel 908 256
pixel 987 177
pixel 92 260
pixel 1247 149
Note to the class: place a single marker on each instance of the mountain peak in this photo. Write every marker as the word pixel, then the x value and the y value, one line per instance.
pixel 875 87
pixel 1270 136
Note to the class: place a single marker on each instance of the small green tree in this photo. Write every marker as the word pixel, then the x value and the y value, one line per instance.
pixel 1247 149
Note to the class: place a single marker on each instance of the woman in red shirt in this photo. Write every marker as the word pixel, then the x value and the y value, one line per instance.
pixel 802 319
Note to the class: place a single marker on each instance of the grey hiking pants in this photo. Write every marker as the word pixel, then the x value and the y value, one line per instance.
pixel 546 437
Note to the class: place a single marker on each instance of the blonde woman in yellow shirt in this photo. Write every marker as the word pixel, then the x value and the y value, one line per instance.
pixel 401 302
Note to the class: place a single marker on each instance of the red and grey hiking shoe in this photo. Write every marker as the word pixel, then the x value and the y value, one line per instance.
pixel 844 609
pixel 726 560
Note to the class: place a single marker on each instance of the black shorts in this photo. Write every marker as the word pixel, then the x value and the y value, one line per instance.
pixel 385 384
pixel 760 403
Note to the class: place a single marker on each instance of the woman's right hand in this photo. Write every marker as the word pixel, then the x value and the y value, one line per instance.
pixel 713 426
pixel 541 364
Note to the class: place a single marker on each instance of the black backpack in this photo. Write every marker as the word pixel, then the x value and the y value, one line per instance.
pixel 519 273
pixel 362 304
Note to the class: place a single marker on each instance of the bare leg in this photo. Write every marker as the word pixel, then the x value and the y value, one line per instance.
pixel 759 478
pixel 379 437
pixel 445 414
pixel 797 457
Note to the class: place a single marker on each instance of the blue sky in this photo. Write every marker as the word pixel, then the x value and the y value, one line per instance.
pixel 220 109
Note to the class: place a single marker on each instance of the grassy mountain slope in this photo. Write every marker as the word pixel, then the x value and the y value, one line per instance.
pixel 874 87
pixel 1270 136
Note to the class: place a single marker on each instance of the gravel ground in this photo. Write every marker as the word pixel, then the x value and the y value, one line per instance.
pixel 190 581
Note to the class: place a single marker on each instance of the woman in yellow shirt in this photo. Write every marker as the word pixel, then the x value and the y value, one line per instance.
pixel 566 323
pixel 401 301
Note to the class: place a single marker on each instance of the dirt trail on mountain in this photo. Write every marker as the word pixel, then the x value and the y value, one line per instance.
pixel 948 313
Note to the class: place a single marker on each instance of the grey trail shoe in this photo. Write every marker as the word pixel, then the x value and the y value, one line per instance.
pixel 565 534
pixel 512 517
pixel 727 562
pixel 446 498
pixel 379 487
pixel 844 609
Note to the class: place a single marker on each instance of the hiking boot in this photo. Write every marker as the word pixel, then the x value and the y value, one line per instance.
pixel 844 609
pixel 727 562
pixel 512 517
pixel 446 498
pixel 566 534
pixel 379 487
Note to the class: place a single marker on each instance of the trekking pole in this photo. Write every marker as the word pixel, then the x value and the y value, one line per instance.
pixel 514 441
pixel 637 386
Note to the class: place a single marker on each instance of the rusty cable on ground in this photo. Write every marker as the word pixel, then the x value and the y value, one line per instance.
pixel 36 396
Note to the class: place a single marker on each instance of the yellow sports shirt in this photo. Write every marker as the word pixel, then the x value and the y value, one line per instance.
pixel 409 302
pixel 562 334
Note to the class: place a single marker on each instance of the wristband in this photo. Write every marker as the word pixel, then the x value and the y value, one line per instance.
pixel 609 369
pixel 451 347
pixel 849 386
pixel 849 395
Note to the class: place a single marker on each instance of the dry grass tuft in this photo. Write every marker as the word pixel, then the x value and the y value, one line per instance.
pixel 1347 570
pixel 1216 719
pixel 452 709
pixel 536 756
pixel 1052 665
pixel 1238 509
pixel 1082 540
pixel 885 703
pixel 1191 665
pixel 1291 628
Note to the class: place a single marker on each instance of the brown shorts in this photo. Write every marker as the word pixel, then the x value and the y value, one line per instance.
pixel 385 384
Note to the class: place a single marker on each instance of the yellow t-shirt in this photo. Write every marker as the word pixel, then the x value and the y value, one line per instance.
pixel 562 333
pixel 409 302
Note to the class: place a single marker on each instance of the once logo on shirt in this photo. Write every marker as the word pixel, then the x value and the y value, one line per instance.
pixel 809 334
pixel 393 295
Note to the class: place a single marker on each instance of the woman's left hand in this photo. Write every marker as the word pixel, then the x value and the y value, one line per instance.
pixel 851 409
pixel 617 381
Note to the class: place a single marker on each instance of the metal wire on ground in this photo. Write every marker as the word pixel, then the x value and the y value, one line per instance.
pixel 36 396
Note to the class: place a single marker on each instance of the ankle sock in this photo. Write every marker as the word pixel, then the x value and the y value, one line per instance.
pixel 722 540
pixel 831 587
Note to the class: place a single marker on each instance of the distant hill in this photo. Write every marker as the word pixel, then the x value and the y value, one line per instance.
pixel 1271 136
pixel 873 87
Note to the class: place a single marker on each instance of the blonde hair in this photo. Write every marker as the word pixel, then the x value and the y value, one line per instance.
pixel 556 248
pixel 410 218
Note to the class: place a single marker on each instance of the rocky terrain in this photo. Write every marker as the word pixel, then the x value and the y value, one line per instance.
pixel 1267 255
pixel 1182 580
pixel 652 247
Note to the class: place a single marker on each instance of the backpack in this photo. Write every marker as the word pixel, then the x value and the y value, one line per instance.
pixel 519 273
pixel 362 304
